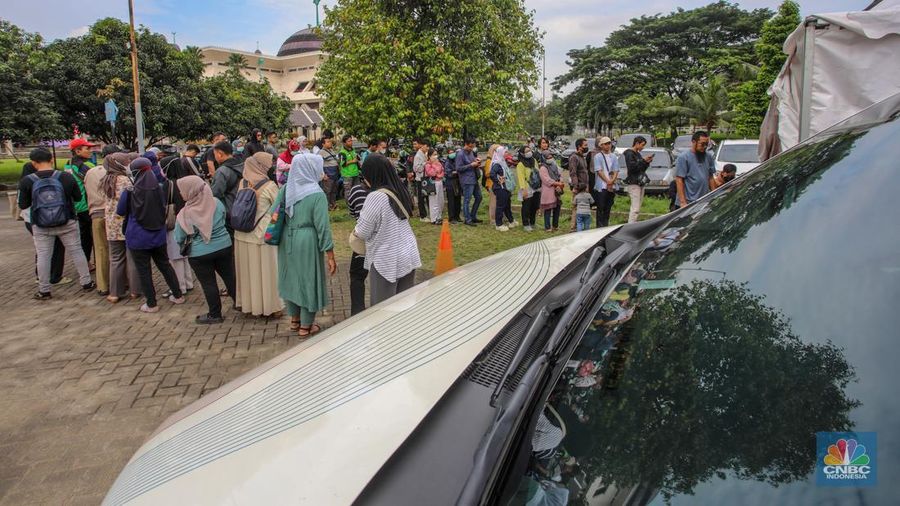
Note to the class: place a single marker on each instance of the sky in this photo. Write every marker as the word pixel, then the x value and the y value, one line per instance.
pixel 567 24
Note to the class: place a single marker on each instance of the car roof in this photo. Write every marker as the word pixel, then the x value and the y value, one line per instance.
pixel 739 141
pixel 315 424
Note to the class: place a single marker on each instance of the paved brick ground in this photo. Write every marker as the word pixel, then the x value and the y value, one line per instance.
pixel 83 382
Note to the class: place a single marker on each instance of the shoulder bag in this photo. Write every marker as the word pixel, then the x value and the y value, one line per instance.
pixel 170 208
pixel 275 228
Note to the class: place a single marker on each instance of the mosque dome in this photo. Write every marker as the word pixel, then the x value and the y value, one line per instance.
pixel 304 41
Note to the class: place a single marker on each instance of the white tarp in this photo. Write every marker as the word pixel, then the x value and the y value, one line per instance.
pixel 853 62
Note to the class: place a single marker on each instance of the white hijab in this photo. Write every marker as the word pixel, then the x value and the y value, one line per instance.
pixel 303 179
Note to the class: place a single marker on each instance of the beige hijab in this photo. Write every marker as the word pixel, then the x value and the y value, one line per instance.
pixel 199 207
pixel 256 168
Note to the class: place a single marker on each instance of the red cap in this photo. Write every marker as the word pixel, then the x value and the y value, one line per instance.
pixel 79 142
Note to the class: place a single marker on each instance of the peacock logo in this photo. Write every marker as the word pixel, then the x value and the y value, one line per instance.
pixel 846 452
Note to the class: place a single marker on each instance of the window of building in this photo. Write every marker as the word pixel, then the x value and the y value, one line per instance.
pixel 301 86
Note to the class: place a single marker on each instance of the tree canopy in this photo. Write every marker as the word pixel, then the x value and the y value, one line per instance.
pixel 427 68
pixel 660 55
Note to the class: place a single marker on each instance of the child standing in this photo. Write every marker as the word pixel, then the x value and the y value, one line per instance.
pixel 582 202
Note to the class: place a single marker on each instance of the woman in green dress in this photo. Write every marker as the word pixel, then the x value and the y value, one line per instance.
pixel 306 244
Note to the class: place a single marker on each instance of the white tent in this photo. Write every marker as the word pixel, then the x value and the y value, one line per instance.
pixel 837 65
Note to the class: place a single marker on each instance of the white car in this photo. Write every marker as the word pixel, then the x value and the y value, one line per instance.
pixel 742 153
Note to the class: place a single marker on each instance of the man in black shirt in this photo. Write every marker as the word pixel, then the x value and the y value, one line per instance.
pixel 209 158
pixel 358 273
pixel 68 233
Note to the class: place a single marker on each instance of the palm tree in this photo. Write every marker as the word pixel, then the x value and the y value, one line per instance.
pixel 706 105
pixel 195 51
pixel 236 61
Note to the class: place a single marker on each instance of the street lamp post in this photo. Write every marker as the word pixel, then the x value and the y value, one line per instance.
pixel 317 11
pixel 138 116
pixel 544 93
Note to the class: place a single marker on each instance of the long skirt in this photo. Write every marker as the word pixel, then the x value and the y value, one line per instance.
pixel 257 278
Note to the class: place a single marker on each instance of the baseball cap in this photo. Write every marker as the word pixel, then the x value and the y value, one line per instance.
pixel 79 142
pixel 604 140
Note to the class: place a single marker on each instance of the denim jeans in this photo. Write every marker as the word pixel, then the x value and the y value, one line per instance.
pixel 468 191
pixel 583 222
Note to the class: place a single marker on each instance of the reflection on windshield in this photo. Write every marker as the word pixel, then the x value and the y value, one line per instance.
pixel 680 378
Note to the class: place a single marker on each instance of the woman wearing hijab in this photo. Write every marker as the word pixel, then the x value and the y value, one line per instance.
pixel 144 209
pixel 551 189
pixel 434 170
pixel 528 176
pixel 122 271
pixel 202 223
pixel 283 163
pixel 306 244
pixel 489 184
pixel 256 263
pixel 392 253
pixel 175 170
pixel 503 184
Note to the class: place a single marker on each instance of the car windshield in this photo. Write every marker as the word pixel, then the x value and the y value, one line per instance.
pixel 756 325
pixel 682 141
pixel 661 159
pixel 738 153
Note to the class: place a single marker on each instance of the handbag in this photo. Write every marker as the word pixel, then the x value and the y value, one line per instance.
pixel 357 244
pixel 275 228
pixel 429 186
pixel 170 208
pixel 185 249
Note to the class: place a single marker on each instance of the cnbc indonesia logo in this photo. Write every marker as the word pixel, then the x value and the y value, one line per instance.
pixel 846 460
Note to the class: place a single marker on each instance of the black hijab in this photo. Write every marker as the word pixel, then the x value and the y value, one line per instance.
pixel 148 197
pixel 379 172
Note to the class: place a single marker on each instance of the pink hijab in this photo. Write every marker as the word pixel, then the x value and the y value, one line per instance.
pixel 199 208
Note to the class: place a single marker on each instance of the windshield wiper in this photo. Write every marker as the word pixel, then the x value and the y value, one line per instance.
pixel 496 438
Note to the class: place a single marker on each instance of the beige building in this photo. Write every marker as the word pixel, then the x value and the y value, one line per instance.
pixel 291 72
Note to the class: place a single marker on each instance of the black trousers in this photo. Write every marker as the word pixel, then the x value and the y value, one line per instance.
pixel 86 232
pixel 454 200
pixel 422 199
pixel 358 275
pixel 159 256
pixel 503 208
pixel 604 200
pixel 206 267
pixel 57 262
pixel 555 216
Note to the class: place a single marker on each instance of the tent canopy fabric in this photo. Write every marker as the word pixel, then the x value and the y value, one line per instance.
pixel 838 64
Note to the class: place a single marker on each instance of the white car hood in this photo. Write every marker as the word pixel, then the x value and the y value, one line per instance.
pixel 315 424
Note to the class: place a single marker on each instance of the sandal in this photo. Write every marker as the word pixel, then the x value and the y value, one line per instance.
pixel 309 331
pixel 295 324
pixel 113 299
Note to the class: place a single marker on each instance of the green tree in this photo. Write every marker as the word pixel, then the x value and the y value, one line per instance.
pixel 234 105
pixel 97 66
pixel 236 61
pixel 557 122
pixel 751 99
pixel 28 111
pixel 427 68
pixel 706 105
pixel 659 55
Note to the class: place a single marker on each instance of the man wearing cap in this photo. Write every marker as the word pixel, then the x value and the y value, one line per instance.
pixel 78 166
pixel 606 167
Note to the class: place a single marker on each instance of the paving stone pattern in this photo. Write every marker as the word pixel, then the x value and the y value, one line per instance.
pixel 83 382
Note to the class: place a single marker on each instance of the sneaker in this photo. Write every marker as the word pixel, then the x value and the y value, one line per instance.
pixel 176 300
pixel 503 228
pixel 42 296
pixel 88 287
pixel 147 309
pixel 103 293
pixel 206 319
pixel 514 224
pixel 471 224
pixel 528 228
pixel 454 222
pixel 476 220
pixel 63 281
pixel 424 220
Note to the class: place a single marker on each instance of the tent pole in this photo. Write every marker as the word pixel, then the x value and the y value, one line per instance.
pixel 809 41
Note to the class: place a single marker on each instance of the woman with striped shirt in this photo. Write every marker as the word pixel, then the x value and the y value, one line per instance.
pixel 392 253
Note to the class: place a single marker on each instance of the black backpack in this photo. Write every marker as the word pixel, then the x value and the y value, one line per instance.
pixel 49 207
pixel 243 211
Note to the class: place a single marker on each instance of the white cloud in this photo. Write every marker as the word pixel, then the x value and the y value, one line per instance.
pixel 78 32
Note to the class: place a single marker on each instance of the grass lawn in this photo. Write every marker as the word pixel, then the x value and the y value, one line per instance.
pixel 11 170
pixel 472 243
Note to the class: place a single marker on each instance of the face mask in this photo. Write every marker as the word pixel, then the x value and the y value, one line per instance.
pixel 382 151
pixel 451 156
pixel 528 155
pixel 240 149
pixel 475 150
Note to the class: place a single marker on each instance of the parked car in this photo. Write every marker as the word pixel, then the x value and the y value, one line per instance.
pixel 714 354
pixel 661 170
pixel 742 153
pixel 625 141
pixel 681 144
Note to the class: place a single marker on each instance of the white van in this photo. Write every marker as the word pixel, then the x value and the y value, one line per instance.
pixel 742 153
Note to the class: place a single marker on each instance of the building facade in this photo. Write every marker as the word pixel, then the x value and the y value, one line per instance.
pixel 291 72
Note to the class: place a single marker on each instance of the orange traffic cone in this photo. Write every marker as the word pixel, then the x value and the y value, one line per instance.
pixel 444 261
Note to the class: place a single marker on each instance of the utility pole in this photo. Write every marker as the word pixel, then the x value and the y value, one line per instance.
pixel 317 11
pixel 173 39
pixel 544 93
pixel 138 116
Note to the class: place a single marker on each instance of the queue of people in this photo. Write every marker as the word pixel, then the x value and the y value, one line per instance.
pixel 255 218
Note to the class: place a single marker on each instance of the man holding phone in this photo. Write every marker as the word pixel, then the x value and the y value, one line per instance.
pixel 636 177
pixel 466 162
